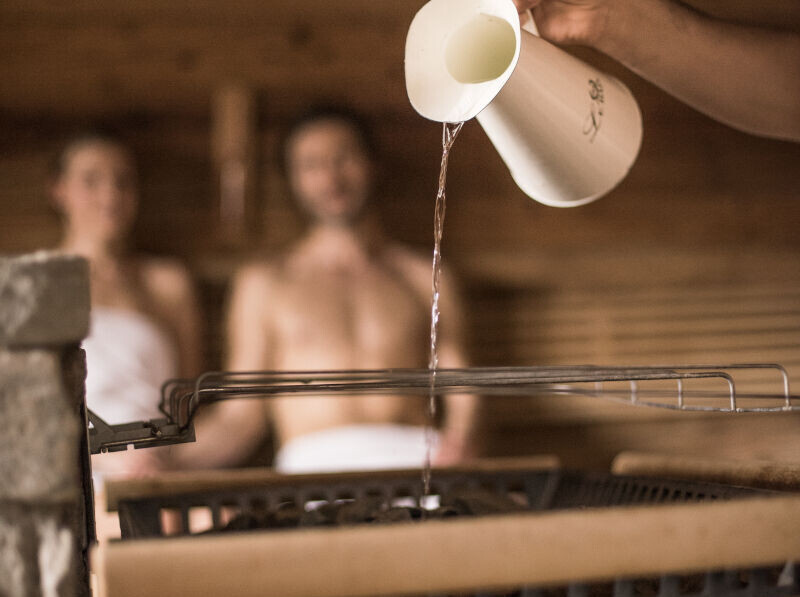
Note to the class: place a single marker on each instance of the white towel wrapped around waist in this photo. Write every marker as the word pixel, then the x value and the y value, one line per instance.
pixel 128 357
pixel 356 447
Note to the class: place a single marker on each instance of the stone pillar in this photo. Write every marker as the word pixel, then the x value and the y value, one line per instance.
pixel 44 462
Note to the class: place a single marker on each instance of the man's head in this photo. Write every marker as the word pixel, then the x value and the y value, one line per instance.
pixel 327 154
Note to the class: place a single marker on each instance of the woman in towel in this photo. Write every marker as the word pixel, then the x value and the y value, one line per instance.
pixel 144 321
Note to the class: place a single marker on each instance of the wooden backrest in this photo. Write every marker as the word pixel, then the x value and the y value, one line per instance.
pixel 706 309
pixel 629 325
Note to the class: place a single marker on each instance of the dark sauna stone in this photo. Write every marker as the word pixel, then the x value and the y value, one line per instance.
pixel 286 516
pixel 324 515
pixel 446 512
pixel 414 512
pixel 370 509
pixel 246 522
pixel 400 515
pixel 479 502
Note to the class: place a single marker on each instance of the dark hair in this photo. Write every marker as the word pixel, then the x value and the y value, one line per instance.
pixel 84 136
pixel 328 112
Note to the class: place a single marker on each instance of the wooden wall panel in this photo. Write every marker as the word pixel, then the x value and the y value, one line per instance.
pixel 702 200
pixel 105 57
pixel 704 208
pixel 155 67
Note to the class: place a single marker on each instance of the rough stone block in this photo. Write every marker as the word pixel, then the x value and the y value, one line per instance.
pixel 13 557
pixel 40 425
pixel 73 370
pixel 39 552
pixel 44 299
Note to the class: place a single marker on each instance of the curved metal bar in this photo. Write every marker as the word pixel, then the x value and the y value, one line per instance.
pixel 181 397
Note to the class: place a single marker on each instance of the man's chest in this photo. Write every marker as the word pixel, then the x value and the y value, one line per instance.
pixel 373 311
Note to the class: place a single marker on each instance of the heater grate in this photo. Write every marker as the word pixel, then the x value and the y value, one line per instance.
pixel 535 491
pixel 723 388
pixel 543 490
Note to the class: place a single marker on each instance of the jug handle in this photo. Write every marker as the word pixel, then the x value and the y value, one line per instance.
pixel 530 25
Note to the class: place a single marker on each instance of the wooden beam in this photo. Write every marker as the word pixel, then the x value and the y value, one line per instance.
pixel 233 147
pixel 460 555
pixel 781 476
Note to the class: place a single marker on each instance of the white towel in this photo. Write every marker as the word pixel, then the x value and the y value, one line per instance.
pixel 128 357
pixel 356 447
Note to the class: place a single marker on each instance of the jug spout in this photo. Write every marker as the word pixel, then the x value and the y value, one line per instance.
pixel 568 132
pixel 459 54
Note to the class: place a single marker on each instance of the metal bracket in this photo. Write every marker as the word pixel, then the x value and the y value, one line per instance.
pixel 104 437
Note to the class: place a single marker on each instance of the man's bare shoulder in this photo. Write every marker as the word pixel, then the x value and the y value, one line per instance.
pixel 416 267
pixel 411 261
pixel 258 275
pixel 254 291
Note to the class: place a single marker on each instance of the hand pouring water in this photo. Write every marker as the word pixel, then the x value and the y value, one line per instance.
pixel 568 132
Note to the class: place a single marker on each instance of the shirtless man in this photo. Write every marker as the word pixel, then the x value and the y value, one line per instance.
pixel 344 297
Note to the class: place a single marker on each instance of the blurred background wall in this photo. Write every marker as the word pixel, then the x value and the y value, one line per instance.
pixel 706 226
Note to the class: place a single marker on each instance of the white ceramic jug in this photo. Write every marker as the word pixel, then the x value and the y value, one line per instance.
pixel 567 132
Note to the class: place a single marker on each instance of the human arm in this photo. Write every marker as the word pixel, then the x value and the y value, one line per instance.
pixel 746 77
pixel 170 297
pixel 178 305
pixel 228 431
